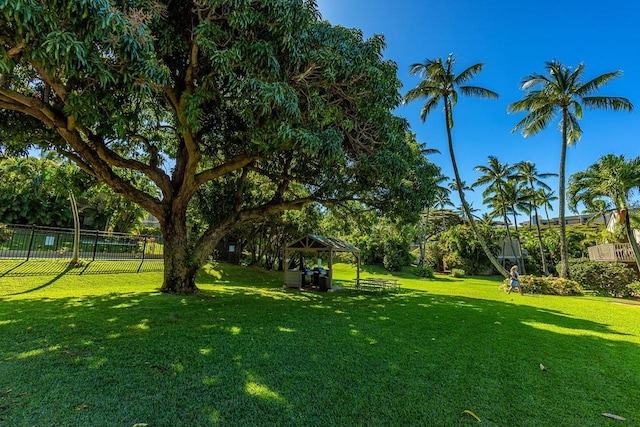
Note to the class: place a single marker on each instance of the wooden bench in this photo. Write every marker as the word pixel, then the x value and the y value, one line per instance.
pixel 375 284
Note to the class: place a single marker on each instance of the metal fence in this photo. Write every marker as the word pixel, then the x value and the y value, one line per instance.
pixel 23 242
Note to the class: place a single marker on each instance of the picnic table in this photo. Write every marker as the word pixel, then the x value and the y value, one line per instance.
pixel 376 284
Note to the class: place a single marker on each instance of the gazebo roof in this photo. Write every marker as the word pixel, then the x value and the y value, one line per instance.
pixel 313 242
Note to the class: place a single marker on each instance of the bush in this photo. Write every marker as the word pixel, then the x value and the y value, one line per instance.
pixel 5 233
pixel 546 285
pixel 634 288
pixel 605 278
pixel 396 254
pixel 457 272
pixel 426 272
pixel 460 248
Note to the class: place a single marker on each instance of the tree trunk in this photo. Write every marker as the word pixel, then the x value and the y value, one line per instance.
pixel 179 271
pixel 564 256
pixel 465 206
pixel 545 269
pixel 513 249
pixel 631 236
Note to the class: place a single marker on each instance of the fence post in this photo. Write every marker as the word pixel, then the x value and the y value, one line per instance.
pixel 13 231
pixel 144 249
pixel 95 246
pixel 33 232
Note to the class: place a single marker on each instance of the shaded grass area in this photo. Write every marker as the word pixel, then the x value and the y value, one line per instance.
pixel 109 350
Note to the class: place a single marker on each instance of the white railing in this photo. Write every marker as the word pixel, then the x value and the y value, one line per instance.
pixel 612 252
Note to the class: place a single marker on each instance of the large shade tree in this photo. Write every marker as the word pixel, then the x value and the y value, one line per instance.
pixel 562 92
pixel 440 84
pixel 615 178
pixel 208 94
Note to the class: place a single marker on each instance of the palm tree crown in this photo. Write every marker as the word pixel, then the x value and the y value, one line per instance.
pixel 563 92
pixel 439 83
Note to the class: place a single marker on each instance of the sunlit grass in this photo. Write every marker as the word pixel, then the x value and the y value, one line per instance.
pixel 110 349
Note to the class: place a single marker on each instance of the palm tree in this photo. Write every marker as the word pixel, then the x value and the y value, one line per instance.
pixel 516 197
pixel 562 92
pixel 543 199
pixel 612 177
pixel 495 177
pixel 439 83
pixel 528 174
pixel 597 207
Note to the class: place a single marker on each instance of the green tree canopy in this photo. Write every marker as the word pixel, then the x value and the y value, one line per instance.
pixel 615 178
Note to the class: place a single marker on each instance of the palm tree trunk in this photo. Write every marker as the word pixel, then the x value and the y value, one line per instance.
pixel 631 236
pixel 515 222
pixel 545 269
pixel 564 256
pixel 513 249
pixel 465 206
pixel 546 213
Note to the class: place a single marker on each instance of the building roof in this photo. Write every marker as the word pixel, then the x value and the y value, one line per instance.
pixel 313 242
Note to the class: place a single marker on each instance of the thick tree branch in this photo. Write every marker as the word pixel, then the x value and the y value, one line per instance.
pixel 156 174
pixel 233 164
pixel 206 243
pixel 103 171
pixel 58 87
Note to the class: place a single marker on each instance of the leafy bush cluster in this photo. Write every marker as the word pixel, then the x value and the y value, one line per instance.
pixel 457 272
pixel 426 272
pixel 634 288
pixel 604 278
pixel 384 246
pixel 546 285
pixel 460 249
pixel 5 233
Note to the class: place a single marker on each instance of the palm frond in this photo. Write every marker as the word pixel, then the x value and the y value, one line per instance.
pixel 428 107
pixel 417 68
pixel 574 131
pixel 533 100
pixel 540 119
pixel 536 120
pixel 480 92
pixel 468 74
pixel 533 80
pixel 594 84
pixel 577 109
pixel 615 103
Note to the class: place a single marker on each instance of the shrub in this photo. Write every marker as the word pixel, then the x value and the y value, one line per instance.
pixel 424 272
pixel 606 278
pixel 460 248
pixel 634 288
pixel 457 272
pixel 546 285
pixel 5 233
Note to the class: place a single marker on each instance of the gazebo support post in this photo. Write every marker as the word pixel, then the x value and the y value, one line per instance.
pixel 330 273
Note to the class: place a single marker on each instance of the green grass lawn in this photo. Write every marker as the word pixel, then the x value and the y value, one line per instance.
pixel 110 350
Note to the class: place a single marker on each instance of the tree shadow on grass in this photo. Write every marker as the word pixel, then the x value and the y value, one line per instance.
pixel 12 268
pixel 246 355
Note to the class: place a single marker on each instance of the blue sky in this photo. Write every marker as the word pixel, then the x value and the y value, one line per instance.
pixel 513 39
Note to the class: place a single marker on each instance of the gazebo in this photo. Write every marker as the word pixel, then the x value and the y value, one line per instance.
pixel 296 278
